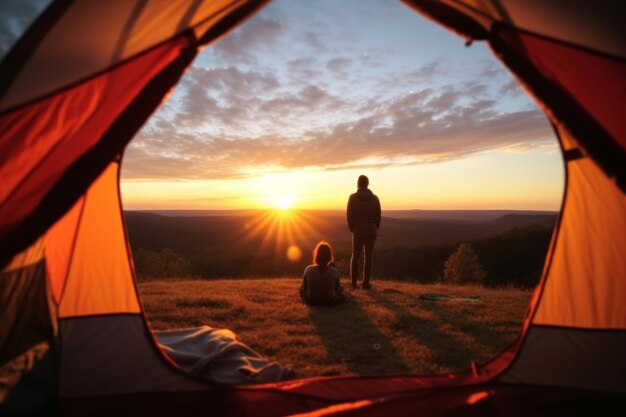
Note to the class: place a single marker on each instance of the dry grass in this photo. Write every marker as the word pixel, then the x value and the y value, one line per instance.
pixel 383 330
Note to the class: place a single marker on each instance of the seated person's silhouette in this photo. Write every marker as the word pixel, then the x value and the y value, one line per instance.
pixel 321 283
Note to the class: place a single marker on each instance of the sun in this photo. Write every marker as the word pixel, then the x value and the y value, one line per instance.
pixel 284 202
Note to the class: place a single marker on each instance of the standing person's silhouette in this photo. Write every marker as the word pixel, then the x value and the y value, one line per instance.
pixel 364 220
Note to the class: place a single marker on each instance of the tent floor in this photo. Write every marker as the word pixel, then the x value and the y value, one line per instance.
pixel 489 399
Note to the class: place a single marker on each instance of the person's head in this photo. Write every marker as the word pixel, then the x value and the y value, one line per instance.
pixel 363 181
pixel 322 254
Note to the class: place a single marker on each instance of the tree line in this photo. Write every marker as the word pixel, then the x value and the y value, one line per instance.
pixel 514 257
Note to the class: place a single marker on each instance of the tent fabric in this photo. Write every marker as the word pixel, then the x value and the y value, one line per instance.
pixel 40 142
pixel 25 319
pixel 16 371
pixel 563 79
pixel 576 71
pixel 89 37
pixel 554 356
pixel 485 400
pixel 32 255
pixel 60 241
pixel 550 20
pixel 105 259
pixel 351 389
pixel 540 43
pixel 586 277
pixel 78 144
pixel 106 344
pixel 217 355
pixel 115 354
pixel 578 326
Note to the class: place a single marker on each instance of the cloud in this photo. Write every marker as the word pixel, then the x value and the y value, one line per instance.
pixel 369 60
pixel 232 79
pixel 223 96
pixel 312 39
pixel 303 70
pixel 491 70
pixel 256 34
pixel 229 123
pixel 338 65
pixel 512 88
pixel 233 102
pixel 308 99
pixel 444 100
pixel 474 89
pixel 425 72
pixel 422 75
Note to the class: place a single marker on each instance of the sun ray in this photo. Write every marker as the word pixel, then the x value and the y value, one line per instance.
pixel 281 231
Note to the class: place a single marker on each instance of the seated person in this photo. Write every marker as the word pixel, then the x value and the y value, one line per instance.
pixel 320 283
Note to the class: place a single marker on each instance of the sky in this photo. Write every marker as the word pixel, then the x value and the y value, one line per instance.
pixel 305 96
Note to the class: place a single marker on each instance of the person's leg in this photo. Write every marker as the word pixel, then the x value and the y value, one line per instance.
pixel 357 247
pixel 369 258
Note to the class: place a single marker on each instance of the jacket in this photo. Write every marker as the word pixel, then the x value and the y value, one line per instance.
pixel 321 286
pixel 363 211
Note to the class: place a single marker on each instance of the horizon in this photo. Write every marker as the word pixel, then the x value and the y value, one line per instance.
pixel 292 106
pixel 341 210
pixel 299 217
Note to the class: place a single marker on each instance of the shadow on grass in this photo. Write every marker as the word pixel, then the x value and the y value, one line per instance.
pixel 445 350
pixel 351 338
pixel 483 334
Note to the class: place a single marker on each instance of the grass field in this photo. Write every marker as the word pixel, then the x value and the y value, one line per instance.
pixel 383 330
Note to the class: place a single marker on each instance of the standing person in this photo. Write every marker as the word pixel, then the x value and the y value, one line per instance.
pixel 363 220
pixel 321 282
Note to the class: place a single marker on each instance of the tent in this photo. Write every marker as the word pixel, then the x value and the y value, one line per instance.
pixel 86 75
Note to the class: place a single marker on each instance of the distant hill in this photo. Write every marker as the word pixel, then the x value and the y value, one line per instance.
pixel 196 213
pixel 417 231
pixel 193 234
pixel 511 246
pixel 460 215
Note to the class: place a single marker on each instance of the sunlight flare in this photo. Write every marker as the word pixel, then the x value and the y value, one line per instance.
pixel 282 233
pixel 284 202
pixel 294 253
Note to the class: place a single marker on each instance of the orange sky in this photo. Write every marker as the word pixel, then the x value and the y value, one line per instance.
pixel 485 181
pixel 306 96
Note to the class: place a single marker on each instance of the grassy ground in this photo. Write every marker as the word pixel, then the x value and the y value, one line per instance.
pixel 383 330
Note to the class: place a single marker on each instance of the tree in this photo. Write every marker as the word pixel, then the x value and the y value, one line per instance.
pixel 163 264
pixel 463 267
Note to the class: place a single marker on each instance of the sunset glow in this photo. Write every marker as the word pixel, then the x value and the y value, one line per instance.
pixel 282 232
pixel 291 107
pixel 284 202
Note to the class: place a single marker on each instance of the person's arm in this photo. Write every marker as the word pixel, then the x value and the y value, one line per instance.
pixel 338 289
pixel 378 213
pixel 350 214
pixel 305 280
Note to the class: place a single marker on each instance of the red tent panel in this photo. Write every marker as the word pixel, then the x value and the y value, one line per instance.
pixel 597 82
pixel 40 141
